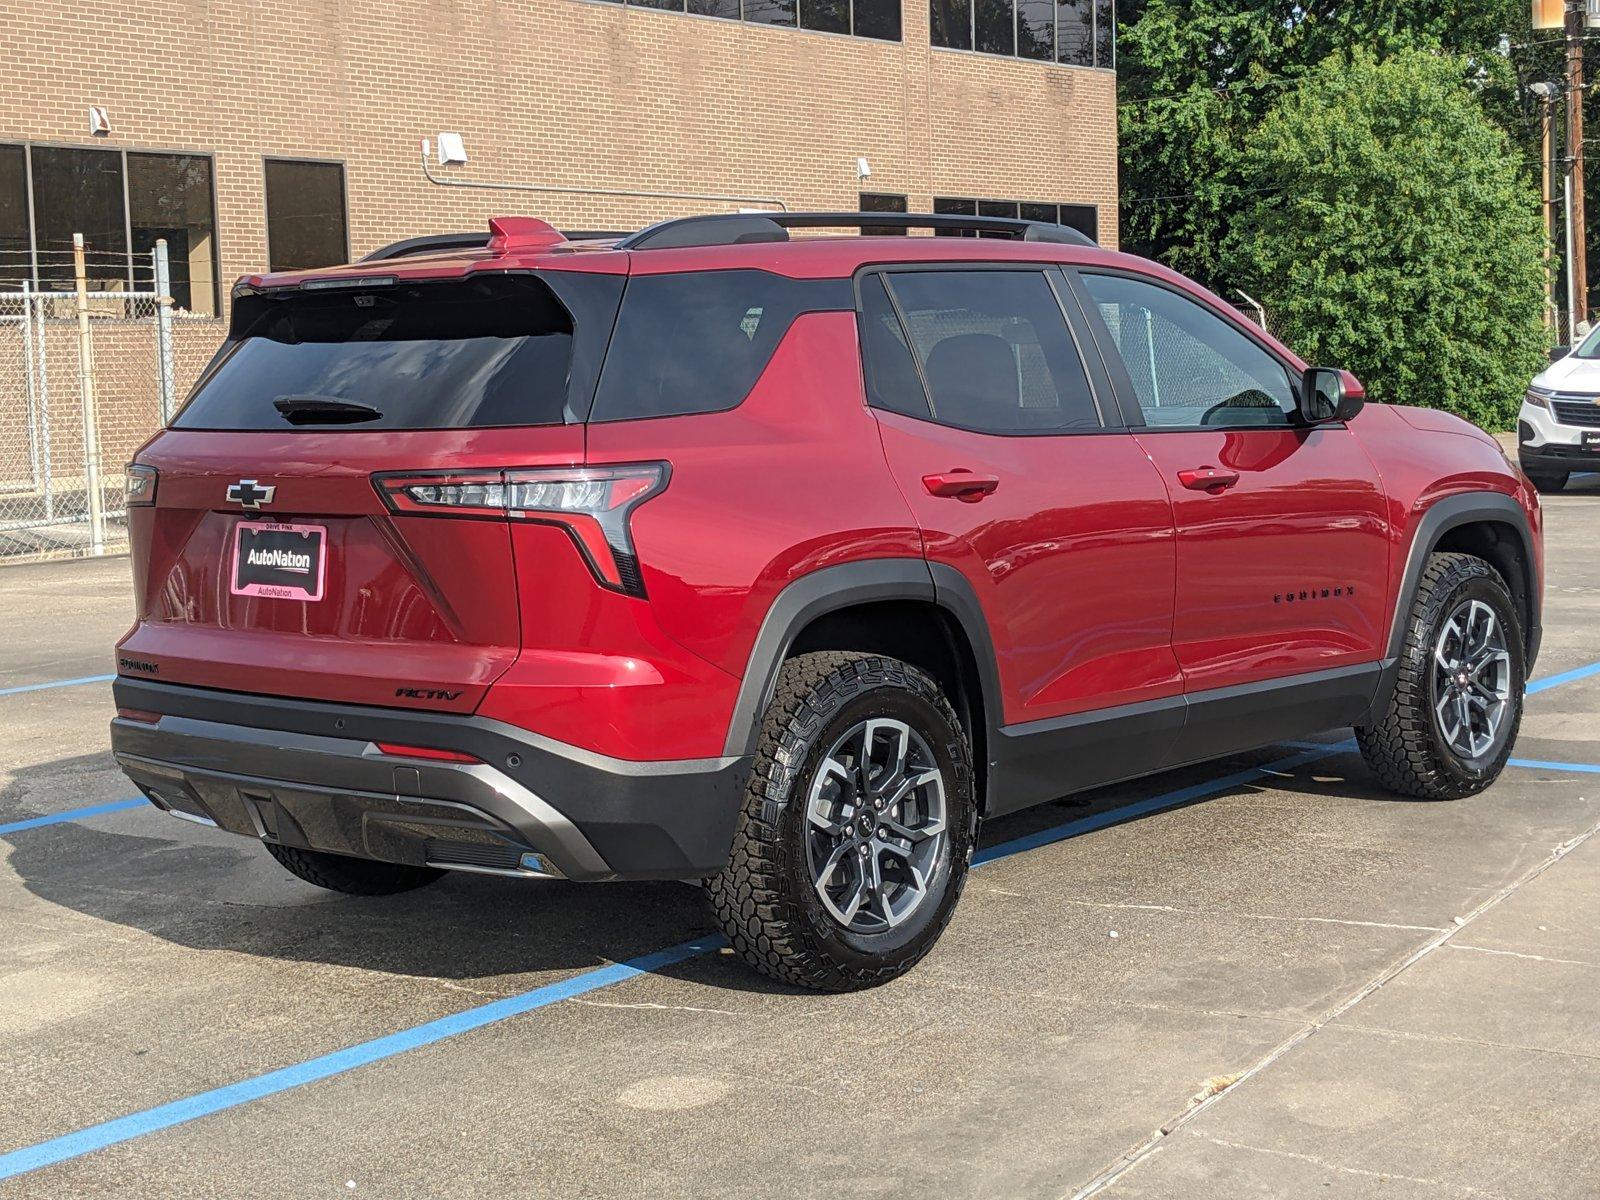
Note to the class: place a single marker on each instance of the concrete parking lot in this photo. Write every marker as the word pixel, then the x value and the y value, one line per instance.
pixel 1263 977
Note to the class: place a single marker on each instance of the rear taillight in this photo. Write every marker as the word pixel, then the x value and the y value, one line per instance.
pixel 593 504
pixel 139 485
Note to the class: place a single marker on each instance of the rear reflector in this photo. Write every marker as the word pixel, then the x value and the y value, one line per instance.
pixel 428 752
pixel 139 714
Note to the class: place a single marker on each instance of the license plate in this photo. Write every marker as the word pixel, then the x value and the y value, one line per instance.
pixel 1591 439
pixel 283 561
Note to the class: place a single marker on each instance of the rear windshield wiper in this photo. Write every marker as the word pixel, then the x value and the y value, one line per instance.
pixel 324 410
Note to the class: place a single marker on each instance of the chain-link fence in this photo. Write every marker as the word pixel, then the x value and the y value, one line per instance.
pixel 85 377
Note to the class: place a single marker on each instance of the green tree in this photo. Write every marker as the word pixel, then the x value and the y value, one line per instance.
pixel 1391 231
pixel 1196 76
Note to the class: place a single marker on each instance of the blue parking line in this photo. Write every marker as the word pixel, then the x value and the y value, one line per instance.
pixel 1539 764
pixel 1550 681
pixel 1152 804
pixel 73 814
pixel 55 683
pixel 178 1112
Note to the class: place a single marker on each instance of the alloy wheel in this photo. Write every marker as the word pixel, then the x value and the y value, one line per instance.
pixel 875 825
pixel 1471 679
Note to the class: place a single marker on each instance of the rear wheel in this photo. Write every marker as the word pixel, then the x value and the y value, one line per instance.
pixel 1457 703
pixel 1549 483
pixel 353 876
pixel 858 824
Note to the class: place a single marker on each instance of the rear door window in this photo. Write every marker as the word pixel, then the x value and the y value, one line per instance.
pixel 439 355
pixel 696 342
pixel 995 350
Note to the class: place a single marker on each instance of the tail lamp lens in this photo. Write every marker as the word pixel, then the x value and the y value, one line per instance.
pixel 593 504
pixel 139 485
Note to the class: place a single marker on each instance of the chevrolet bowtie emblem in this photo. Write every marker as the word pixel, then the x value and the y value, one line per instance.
pixel 250 494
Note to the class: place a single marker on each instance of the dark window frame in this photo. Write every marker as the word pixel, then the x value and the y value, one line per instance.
pixel 122 153
pixel 216 225
pixel 681 8
pixel 969 206
pixel 31 268
pixel 33 205
pixel 1102 391
pixel 1127 397
pixel 1097 39
pixel 883 230
pixel 344 195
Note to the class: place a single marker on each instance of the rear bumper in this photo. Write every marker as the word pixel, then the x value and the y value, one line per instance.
pixel 311 775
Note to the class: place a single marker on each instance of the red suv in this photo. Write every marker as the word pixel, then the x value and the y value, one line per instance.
pixel 707 553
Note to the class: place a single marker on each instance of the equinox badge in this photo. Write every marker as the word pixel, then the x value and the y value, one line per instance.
pixel 250 494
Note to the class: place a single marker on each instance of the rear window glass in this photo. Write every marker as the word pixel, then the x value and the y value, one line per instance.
pixel 446 355
pixel 697 342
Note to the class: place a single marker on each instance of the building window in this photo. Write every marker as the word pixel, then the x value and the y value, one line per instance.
pixel 16 242
pixel 169 196
pixel 878 19
pixel 880 202
pixel 1085 218
pixel 306 225
pixel 80 191
pixel 1081 33
pixel 121 202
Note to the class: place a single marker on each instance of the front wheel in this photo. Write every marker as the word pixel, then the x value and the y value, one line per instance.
pixel 858 824
pixel 1451 720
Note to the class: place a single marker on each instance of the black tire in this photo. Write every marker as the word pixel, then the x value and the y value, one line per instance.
pixel 764 899
pixel 1549 483
pixel 352 876
pixel 1406 749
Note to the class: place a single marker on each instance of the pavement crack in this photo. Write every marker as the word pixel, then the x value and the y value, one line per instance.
pixel 1565 962
pixel 1343 1169
pixel 721 1012
pixel 1206 912
pixel 1142 1150
pixel 1451 1039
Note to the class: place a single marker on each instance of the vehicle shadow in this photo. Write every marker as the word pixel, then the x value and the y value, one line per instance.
pixel 207 890
pixel 1582 483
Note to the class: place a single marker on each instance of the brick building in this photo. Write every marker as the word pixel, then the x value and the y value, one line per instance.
pixel 286 133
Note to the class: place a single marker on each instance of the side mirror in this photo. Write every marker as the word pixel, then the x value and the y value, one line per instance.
pixel 1557 353
pixel 1328 395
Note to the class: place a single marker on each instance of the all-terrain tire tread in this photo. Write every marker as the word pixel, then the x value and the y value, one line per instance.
pixel 747 897
pixel 1399 747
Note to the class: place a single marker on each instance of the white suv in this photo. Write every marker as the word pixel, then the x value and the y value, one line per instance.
pixel 1558 429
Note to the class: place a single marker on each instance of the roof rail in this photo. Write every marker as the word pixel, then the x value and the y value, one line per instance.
pixel 433 243
pixel 430 244
pixel 729 229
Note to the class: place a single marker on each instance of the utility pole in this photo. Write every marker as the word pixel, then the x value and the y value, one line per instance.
pixel 1546 94
pixel 1577 266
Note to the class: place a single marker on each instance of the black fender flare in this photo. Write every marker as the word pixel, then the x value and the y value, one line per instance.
pixel 1446 514
pixel 864 581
